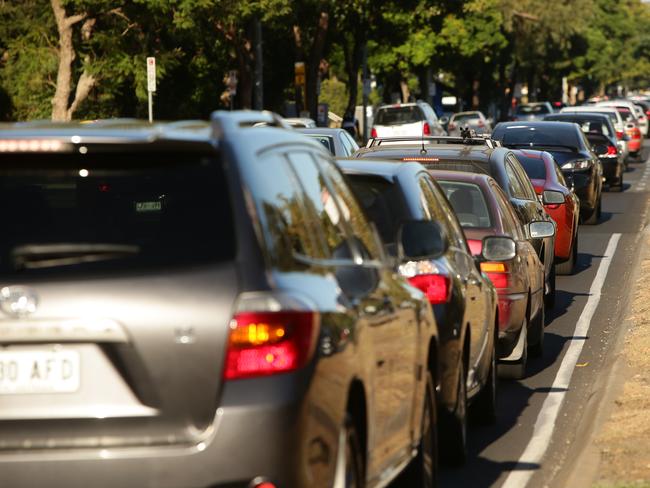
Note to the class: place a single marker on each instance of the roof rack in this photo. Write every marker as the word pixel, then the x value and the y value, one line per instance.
pixel 470 141
pixel 225 122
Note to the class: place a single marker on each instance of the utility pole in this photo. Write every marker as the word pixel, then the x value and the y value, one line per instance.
pixel 366 90
pixel 258 95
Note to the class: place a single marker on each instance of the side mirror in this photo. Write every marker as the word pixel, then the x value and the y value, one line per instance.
pixel 541 229
pixel 420 239
pixel 498 248
pixel 550 197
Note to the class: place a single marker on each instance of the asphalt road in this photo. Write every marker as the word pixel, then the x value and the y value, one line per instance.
pixel 541 425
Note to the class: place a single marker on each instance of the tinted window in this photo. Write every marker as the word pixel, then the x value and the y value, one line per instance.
pixel 514 186
pixel 587 125
pixel 361 229
pixel 524 180
pixel 460 118
pixel 532 109
pixel 323 205
pixel 384 204
pixel 468 202
pixel 558 135
pixel 626 114
pixel 443 212
pixel 398 115
pixel 509 219
pixel 160 209
pixel 533 166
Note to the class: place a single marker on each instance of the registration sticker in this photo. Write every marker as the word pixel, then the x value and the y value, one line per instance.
pixel 144 207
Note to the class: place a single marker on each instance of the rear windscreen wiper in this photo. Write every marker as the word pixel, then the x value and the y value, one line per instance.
pixel 36 256
pixel 539 144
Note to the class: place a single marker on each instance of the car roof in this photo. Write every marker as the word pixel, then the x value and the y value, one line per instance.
pixel 320 131
pixel 536 124
pixel 581 115
pixel 448 151
pixel 443 174
pixel 388 170
pixel 588 108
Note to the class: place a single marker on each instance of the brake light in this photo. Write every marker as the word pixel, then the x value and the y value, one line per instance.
pixel 612 151
pixel 436 287
pixel 497 272
pixel 426 129
pixel 647 113
pixel 481 124
pixel 267 343
pixel 373 133
pixel 619 134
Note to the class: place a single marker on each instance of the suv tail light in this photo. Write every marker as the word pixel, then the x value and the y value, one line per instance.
pixel 498 273
pixel 373 133
pixel 436 287
pixel 426 129
pixel 452 125
pixel 612 151
pixel 619 134
pixel 267 343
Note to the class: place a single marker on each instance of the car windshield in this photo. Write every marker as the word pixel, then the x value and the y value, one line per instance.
pixel 626 114
pixel 556 136
pixel 468 202
pixel 534 166
pixel 399 115
pixel 533 109
pixel 384 204
pixel 110 211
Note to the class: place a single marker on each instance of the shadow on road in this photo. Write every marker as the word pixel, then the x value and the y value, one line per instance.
pixel 585 261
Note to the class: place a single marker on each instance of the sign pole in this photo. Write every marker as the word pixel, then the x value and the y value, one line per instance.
pixel 151 84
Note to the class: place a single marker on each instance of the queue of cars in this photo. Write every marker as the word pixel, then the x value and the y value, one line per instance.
pixel 226 303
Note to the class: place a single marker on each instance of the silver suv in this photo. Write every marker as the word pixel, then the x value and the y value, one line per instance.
pixel 194 305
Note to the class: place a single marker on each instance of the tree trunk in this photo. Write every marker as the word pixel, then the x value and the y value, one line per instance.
pixel 61 110
pixel 313 64
pixel 353 56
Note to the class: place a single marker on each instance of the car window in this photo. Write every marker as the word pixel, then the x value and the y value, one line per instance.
pixel 443 213
pixel 347 147
pixel 399 115
pixel 142 209
pixel 526 185
pixel 532 109
pixel 514 185
pixel 326 141
pixel 468 202
pixel 509 219
pixel 322 206
pixel 352 211
pixel 533 166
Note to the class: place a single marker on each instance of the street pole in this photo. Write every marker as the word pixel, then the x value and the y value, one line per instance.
pixel 258 100
pixel 366 91
pixel 151 84
pixel 150 106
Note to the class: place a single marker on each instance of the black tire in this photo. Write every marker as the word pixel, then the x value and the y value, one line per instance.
pixel 484 407
pixel 517 370
pixel 569 266
pixel 537 329
pixel 352 475
pixel 549 298
pixel 422 472
pixel 595 214
pixel 453 426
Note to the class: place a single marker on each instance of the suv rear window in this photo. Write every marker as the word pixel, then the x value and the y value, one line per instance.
pixel 111 211
pixel 560 135
pixel 532 109
pixel 399 115
pixel 468 202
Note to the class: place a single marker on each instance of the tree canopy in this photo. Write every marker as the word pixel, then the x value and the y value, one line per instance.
pixel 85 59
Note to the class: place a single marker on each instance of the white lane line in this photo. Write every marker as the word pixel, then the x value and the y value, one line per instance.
pixel 545 424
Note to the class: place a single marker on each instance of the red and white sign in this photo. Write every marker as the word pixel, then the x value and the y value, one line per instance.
pixel 151 74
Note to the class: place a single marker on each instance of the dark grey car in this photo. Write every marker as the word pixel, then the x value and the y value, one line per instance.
pixel 194 306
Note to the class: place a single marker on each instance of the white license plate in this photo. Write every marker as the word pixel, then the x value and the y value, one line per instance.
pixel 39 372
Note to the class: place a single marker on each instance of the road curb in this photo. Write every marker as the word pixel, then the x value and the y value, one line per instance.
pixel 585 464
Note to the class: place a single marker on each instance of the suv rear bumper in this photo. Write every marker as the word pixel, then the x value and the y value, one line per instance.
pixel 244 443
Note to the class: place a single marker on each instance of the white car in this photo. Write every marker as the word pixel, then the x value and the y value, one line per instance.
pixel 406 120
pixel 474 120
pixel 616 118
pixel 635 110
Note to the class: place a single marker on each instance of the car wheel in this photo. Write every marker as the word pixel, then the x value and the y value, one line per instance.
pixel 485 406
pixel 422 472
pixel 349 463
pixel 516 370
pixel 537 328
pixel 619 184
pixel 453 426
pixel 549 298
pixel 567 267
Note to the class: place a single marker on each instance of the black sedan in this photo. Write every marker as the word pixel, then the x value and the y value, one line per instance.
pixel 567 143
pixel 463 299
pixel 601 133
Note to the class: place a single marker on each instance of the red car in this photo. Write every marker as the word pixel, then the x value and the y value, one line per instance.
pixel 484 210
pixel 560 202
